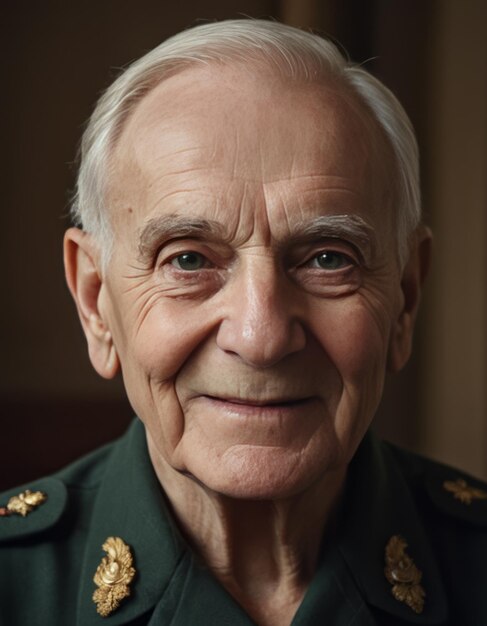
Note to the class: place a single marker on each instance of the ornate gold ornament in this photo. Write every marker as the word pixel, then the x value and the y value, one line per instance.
pixel 113 576
pixel 464 492
pixel 403 575
pixel 25 502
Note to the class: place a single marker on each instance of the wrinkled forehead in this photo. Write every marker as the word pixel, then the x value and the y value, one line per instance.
pixel 238 123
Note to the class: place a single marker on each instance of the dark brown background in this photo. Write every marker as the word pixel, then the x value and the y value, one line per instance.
pixel 58 56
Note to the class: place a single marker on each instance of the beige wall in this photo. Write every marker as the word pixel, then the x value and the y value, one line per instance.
pixel 453 380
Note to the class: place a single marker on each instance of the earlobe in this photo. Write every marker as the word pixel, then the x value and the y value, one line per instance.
pixel 85 282
pixel 413 276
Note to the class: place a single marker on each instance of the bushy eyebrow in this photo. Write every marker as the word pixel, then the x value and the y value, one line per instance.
pixel 166 227
pixel 351 228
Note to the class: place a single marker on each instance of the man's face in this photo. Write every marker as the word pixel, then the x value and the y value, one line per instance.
pixel 254 283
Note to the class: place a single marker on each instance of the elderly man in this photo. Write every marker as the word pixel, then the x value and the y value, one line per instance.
pixel 250 256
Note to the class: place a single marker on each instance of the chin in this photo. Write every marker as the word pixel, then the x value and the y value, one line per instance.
pixel 261 473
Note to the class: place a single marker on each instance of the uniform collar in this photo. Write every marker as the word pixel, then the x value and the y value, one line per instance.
pixel 378 504
pixel 170 584
pixel 130 505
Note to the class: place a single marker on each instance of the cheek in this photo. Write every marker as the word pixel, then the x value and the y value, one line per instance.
pixel 165 338
pixel 151 358
pixel 355 338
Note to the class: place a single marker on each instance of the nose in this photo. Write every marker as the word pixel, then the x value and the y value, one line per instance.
pixel 261 322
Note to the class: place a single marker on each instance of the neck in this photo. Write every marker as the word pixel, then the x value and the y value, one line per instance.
pixel 264 552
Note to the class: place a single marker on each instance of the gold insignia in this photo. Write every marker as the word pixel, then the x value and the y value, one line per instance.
pixel 25 502
pixel 113 576
pixel 462 491
pixel 403 575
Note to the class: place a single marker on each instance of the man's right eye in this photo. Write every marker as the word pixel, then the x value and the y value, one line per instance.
pixel 189 261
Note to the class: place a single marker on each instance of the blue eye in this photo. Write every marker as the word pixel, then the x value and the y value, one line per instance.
pixel 331 260
pixel 189 261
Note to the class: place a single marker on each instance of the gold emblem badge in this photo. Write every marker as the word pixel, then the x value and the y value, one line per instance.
pixel 464 492
pixel 403 575
pixel 113 576
pixel 24 503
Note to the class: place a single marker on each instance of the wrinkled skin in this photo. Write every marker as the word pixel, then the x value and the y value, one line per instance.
pixel 256 362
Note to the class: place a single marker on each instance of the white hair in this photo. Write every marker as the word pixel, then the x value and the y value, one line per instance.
pixel 290 51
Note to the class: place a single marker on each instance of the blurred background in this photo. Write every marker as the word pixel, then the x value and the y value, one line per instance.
pixel 57 57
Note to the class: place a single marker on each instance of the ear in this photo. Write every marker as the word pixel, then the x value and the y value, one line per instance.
pixel 413 276
pixel 85 281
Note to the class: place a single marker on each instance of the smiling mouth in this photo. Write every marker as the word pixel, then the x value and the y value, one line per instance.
pixel 252 402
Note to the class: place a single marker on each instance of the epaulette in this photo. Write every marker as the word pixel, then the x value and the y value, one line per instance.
pixel 31 509
pixel 458 495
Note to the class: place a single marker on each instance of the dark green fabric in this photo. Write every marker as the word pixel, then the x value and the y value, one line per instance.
pixel 48 559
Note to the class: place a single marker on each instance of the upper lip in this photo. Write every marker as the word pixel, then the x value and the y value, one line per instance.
pixel 259 401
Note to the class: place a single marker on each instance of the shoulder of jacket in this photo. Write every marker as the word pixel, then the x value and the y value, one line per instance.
pixel 40 505
pixel 32 508
pixel 452 492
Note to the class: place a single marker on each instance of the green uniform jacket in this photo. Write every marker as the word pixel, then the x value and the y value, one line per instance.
pixel 49 557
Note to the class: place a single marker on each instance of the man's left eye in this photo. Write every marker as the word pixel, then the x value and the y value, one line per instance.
pixel 330 260
pixel 189 261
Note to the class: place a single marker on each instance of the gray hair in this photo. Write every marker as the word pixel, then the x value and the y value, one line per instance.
pixel 296 53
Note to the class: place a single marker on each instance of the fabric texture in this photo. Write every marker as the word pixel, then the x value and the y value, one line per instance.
pixel 48 558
